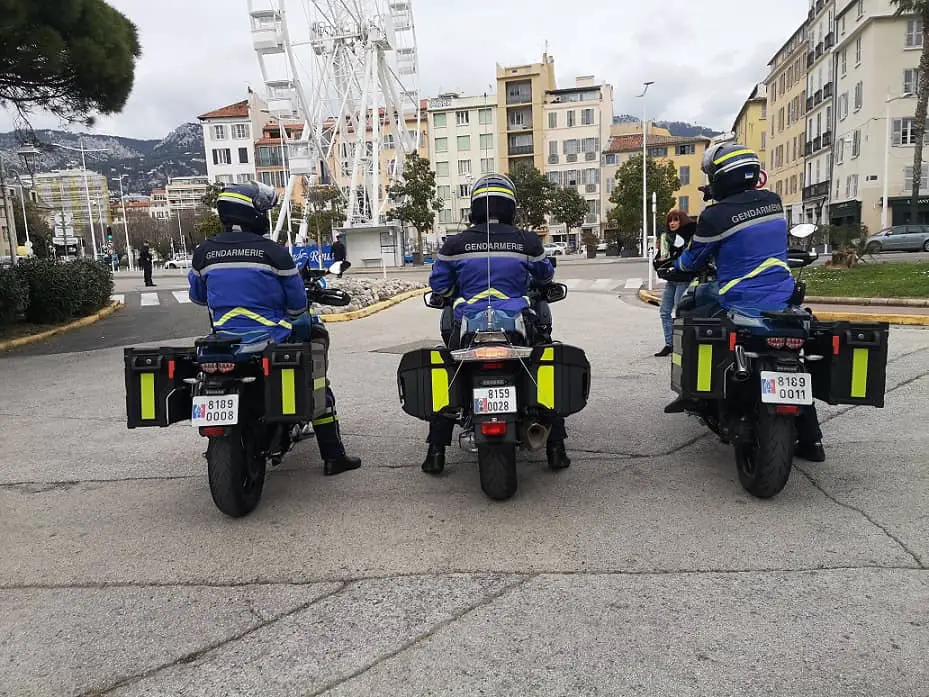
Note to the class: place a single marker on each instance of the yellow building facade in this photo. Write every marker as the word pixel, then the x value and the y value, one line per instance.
pixel 786 93
pixel 521 94
pixel 751 124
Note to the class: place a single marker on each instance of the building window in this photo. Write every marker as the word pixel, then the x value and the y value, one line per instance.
pixel 591 176
pixel 556 178
pixel 858 95
pixel 441 169
pixel 553 119
pixel 275 178
pixel 857 51
pixel 222 156
pixel 464 213
pixel 240 131
pixel 908 178
pixel 444 192
pixel 914 33
pixel 684 175
pixel 687 149
pixel 911 81
pixel 840 151
pixel 462 118
pixel 243 156
pixel 223 178
pixel 243 178
pixel 764 140
pixel 464 143
pixel 487 165
pixel 485 116
pixel 856 143
pixel 219 132
pixel 487 141
pixel 570 177
pixel 464 190
pixel 609 159
pixel 843 61
pixel 570 147
pixel 445 216
pixel 843 106
pixel 519 92
pixel 441 144
pixel 658 152
pixel 904 132
pixel 571 118
pixel 440 120
pixel 587 117
pixel 464 167
pixel 860 9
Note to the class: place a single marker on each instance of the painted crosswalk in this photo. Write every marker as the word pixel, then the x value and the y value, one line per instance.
pixel 152 299
pixel 603 285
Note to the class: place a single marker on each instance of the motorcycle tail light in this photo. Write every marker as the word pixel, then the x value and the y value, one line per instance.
pixel 776 342
pixel 225 367
pixel 491 366
pixel 208 367
pixel 493 428
pixel 795 344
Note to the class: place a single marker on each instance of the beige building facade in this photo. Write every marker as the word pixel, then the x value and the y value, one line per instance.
pixel 521 94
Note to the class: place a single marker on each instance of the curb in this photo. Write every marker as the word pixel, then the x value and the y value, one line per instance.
pixel 372 309
pixel 76 324
pixel 910 320
pixel 893 302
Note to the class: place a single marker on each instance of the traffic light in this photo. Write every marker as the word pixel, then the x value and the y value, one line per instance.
pixel 109 233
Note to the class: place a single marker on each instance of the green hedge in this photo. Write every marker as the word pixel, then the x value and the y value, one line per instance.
pixel 54 293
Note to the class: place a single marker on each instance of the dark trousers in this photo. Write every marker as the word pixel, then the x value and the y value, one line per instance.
pixel 441 428
pixel 147 272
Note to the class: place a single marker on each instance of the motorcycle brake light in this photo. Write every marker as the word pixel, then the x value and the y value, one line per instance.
pixel 493 428
pixel 491 366
pixel 225 367
pixel 795 343
pixel 776 342
pixel 786 410
pixel 208 367
pixel 212 431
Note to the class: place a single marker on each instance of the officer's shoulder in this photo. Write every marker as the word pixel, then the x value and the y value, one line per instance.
pixel 277 254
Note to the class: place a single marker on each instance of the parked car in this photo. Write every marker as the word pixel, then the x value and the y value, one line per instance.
pixel 553 249
pixel 899 238
pixel 178 263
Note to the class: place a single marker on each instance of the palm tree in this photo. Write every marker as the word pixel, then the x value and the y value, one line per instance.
pixel 919 8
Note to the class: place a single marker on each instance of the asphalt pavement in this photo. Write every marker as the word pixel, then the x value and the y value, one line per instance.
pixel 643 569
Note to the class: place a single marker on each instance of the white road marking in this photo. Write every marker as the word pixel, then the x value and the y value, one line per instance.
pixel 571 283
pixel 633 283
pixel 182 296
pixel 121 299
pixel 149 299
pixel 603 284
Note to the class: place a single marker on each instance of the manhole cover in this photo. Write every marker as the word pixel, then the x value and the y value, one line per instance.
pixel 412 346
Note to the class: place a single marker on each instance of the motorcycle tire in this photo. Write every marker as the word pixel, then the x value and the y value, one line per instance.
pixel 497 465
pixel 236 483
pixel 764 466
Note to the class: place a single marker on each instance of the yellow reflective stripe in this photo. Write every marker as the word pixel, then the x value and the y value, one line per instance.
pixel 319 384
pixel 439 382
pixel 769 263
pixel 325 420
pixel 676 359
pixel 545 380
pixel 704 367
pixel 147 395
pixel 493 190
pixel 288 392
pixel 240 197
pixel 254 316
pixel 729 156
pixel 860 373
pixel 489 293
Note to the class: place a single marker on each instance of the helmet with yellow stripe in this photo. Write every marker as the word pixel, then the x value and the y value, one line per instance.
pixel 493 196
pixel 246 206
pixel 731 169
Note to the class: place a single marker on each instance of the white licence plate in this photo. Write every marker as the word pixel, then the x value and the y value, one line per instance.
pixel 786 388
pixel 215 410
pixel 495 400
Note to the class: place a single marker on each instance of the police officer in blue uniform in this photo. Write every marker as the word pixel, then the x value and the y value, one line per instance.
pixel 746 232
pixel 461 271
pixel 254 292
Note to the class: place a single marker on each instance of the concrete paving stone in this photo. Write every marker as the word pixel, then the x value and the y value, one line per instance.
pixel 68 641
pixel 328 642
pixel 823 633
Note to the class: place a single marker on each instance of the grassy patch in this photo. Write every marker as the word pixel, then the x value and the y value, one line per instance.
pixel 869 281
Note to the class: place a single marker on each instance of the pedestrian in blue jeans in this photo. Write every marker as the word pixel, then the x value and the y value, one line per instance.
pixel 678 223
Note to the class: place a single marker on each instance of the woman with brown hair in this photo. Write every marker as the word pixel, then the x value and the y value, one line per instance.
pixel 678 223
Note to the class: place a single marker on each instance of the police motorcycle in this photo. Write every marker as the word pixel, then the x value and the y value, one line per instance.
pixel 253 401
pixel 747 377
pixel 499 386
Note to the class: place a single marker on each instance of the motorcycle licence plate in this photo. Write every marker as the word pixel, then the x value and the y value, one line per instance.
pixel 215 410
pixel 786 388
pixel 494 400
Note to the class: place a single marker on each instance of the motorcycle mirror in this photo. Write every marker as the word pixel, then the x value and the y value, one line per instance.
pixel 803 230
pixel 554 261
pixel 556 292
pixel 339 267
pixel 434 301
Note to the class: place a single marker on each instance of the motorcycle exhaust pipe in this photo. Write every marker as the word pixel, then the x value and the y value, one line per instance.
pixel 741 372
pixel 536 435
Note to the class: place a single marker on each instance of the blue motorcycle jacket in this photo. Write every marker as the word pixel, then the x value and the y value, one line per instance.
pixel 516 258
pixel 250 284
pixel 746 233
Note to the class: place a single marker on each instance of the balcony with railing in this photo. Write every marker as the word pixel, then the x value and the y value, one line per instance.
pixel 819 49
pixel 519 92
pixel 816 190
pixel 828 89
pixel 817 143
pixel 829 41
pixel 809 103
pixel 519 119
pixel 810 59
pixel 827 139
pixel 818 98
pixel 808 150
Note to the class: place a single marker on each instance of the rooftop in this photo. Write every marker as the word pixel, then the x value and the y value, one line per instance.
pixel 633 143
pixel 239 110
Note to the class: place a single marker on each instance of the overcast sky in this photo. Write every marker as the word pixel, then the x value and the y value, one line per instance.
pixel 703 56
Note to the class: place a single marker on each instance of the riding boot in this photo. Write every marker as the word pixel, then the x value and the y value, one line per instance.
pixel 557 455
pixel 435 460
pixel 440 437
pixel 329 439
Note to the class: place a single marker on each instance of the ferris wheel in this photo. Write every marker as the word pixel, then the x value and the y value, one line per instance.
pixel 349 71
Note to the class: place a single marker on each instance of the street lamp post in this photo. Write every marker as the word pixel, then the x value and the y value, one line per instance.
pixel 90 214
pixel 645 171
pixel 130 257
pixel 654 238
pixel 885 223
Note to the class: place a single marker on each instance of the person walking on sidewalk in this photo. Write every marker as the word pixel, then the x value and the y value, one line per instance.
pixel 678 223
pixel 145 261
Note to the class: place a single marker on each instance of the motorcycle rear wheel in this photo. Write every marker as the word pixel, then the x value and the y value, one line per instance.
pixel 764 466
pixel 497 464
pixel 236 474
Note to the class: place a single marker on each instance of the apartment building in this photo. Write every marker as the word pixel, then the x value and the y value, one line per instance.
pixel 751 123
pixel 820 91
pixel 686 152
pixel 877 57
pixel 786 146
pixel 521 94
pixel 229 135
pixel 271 159
pixel 463 145
pixel 159 209
pixel 186 193
pixel 577 123
pixel 63 191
